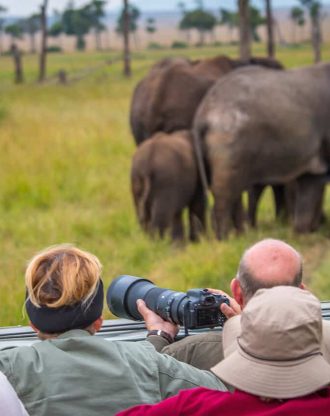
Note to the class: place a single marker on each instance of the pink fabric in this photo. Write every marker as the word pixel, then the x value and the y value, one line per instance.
pixel 206 402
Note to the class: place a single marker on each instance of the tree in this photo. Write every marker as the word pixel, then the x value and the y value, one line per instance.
pixel 270 30
pixel 43 49
pixel 183 11
pixel 200 20
pixel 2 25
pixel 133 14
pixel 129 15
pixel 56 30
pixel 244 29
pixel 17 58
pixel 76 22
pixel 151 26
pixel 256 20
pixel 229 19
pixel 314 8
pixel 14 30
pixel 96 12
pixel 126 25
pixel 297 16
pixel 31 26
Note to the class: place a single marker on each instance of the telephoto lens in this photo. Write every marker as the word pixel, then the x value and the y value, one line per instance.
pixel 125 290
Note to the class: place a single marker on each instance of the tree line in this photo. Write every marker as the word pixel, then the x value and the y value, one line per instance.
pixel 247 18
pixel 90 17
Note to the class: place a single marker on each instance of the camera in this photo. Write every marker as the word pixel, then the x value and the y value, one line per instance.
pixel 198 308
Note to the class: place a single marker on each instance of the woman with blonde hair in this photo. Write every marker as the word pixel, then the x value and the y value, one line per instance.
pixel 71 372
pixel 64 291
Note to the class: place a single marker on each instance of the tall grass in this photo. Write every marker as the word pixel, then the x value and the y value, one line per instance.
pixel 64 177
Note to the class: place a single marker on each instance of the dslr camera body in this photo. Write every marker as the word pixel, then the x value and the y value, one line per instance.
pixel 203 309
pixel 198 308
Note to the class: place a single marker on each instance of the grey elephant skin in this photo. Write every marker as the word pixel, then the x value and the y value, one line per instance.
pixel 264 126
pixel 168 97
pixel 164 181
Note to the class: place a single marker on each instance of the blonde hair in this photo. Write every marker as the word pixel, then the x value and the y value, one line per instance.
pixel 61 276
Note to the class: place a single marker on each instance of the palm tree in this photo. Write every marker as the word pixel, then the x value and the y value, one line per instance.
pixel 314 8
pixel 43 50
pixel 2 22
pixel 297 16
pixel 126 30
pixel 244 29
pixel 270 30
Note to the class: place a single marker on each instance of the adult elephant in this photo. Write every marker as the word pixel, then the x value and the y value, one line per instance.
pixel 165 180
pixel 168 97
pixel 262 126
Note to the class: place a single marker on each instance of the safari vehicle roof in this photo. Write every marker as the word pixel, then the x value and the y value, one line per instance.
pixel 112 330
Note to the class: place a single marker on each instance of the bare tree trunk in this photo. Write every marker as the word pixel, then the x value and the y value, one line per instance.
pixel 32 43
pixel 294 37
pixel 201 37
pixel 270 30
pixel 188 37
pixel 98 42
pixel 17 57
pixel 108 38
pixel 60 41
pixel 127 54
pixel 1 42
pixel 43 51
pixel 244 30
pixel 316 37
pixel 281 39
pixel 136 40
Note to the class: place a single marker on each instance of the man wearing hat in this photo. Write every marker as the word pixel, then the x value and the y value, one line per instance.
pixel 266 264
pixel 275 363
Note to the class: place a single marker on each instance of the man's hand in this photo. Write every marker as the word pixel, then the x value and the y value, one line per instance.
pixel 228 310
pixel 154 321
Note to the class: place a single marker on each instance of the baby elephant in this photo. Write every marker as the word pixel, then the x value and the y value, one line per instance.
pixel 165 181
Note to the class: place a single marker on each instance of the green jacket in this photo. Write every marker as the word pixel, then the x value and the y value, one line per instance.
pixel 80 374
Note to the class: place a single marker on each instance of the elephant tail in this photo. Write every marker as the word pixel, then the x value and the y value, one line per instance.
pixel 141 186
pixel 202 170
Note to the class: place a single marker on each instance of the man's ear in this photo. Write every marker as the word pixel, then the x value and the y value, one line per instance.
pixel 97 324
pixel 236 290
pixel 35 329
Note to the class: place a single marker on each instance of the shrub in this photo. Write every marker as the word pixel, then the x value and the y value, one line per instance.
pixel 177 44
pixel 155 45
pixel 54 49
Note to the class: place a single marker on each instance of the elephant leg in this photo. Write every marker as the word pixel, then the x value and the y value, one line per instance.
pixel 254 195
pixel 238 215
pixel 197 223
pixel 160 217
pixel 281 203
pixel 226 209
pixel 290 191
pixel 177 227
pixel 308 203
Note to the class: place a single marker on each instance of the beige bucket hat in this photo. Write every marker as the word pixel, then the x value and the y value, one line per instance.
pixel 277 351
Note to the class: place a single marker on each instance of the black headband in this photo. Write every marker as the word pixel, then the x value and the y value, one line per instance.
pixel 77 316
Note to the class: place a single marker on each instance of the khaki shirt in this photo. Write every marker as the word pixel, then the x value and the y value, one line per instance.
pixel 80 374
pixel 206 350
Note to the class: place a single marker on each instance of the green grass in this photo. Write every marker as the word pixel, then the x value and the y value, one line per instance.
pixel 64 177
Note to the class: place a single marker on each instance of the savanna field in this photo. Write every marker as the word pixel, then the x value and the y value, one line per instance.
pixel 64 177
